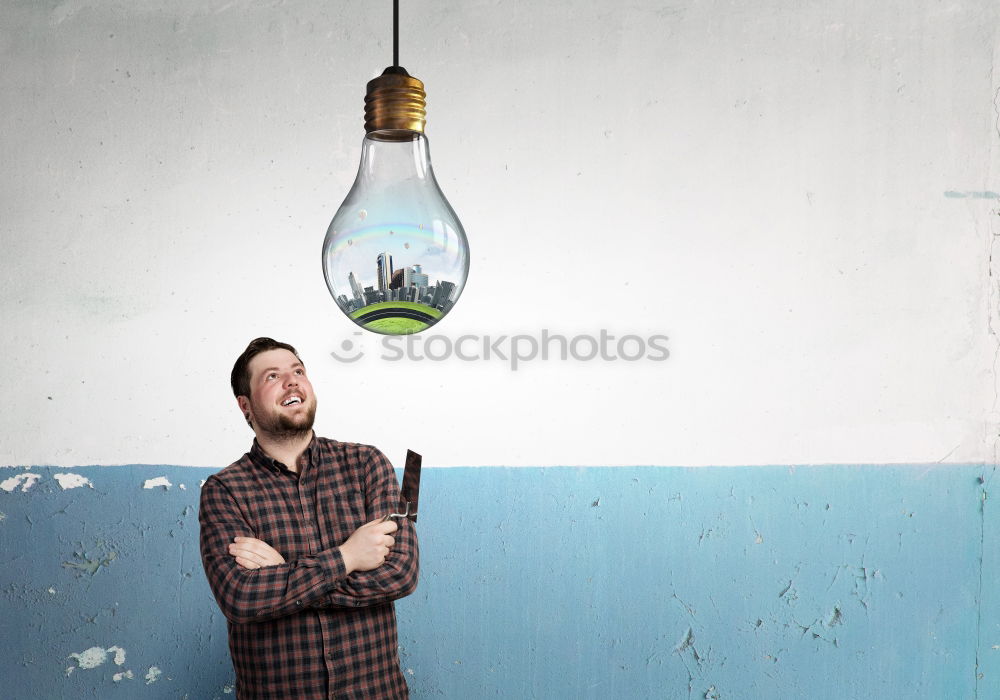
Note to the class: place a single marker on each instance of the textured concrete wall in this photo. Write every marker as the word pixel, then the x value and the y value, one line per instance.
pixel 834 583
pixel 802 196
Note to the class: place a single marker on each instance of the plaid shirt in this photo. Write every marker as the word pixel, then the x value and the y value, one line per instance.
pixel 304 629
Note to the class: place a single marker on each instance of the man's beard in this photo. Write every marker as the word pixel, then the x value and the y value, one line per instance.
pixel 281 426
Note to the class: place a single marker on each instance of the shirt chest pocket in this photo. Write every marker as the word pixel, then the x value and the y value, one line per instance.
pixel 341 512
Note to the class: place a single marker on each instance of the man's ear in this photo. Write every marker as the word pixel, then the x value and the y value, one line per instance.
pixel 244 404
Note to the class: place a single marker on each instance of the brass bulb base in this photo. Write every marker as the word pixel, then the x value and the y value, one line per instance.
pixel 395 106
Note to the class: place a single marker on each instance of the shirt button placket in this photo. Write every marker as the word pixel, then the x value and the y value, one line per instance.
pixel 307 505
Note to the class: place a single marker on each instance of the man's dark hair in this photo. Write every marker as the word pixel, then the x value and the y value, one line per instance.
pixel 240 378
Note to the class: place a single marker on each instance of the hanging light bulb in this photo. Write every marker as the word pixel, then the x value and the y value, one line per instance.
pixel 395 256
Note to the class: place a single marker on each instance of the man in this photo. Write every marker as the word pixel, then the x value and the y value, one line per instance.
pixel 298 551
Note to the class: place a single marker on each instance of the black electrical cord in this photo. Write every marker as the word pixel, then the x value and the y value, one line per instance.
pixel 395 33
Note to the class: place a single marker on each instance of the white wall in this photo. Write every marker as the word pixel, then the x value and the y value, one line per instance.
pixel 799 197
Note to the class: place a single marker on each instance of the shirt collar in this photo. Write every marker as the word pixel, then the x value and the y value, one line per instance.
pixel 262 459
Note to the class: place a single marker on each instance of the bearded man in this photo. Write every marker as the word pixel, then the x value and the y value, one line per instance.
pixel 298 549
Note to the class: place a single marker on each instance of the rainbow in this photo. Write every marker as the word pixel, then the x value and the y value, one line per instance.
pixel 408 232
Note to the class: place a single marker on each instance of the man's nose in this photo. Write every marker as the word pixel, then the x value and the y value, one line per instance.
pixel 291 380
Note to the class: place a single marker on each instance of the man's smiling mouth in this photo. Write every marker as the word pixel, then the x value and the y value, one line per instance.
pixel 292 401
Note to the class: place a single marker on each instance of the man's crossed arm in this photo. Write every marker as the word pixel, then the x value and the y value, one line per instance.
pixel 366 549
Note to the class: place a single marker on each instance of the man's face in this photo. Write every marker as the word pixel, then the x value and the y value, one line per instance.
pixel 281 402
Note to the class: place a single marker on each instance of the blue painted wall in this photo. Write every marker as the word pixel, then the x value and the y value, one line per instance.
pixel 763 582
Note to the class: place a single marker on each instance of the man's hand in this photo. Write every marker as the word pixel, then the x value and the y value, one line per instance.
pixel 368 547
pixel 251 553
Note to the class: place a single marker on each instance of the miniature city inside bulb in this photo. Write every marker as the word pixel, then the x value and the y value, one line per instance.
pixel 394 278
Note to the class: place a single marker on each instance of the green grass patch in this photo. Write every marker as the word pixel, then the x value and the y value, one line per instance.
pixel 396 326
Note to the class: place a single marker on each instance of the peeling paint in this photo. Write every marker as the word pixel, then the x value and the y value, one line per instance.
pixel 72 481
pixel 91 658
pixel 835 618
pixel 89 565
pixel 119 655
pixel 118 677
pixel 158 481
pixel 25 481
pixel 153 674
pixel 686 642
pixel 97 656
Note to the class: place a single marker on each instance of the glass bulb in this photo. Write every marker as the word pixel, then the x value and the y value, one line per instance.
pixel 395 256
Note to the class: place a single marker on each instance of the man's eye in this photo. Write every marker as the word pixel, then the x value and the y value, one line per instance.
pixel 272 375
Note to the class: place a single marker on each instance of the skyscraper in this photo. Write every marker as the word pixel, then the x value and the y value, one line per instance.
pixel 383 271
pixel 447 289
pixel 356 290
pixel 403 277
pixel 417 277
pixel 397 280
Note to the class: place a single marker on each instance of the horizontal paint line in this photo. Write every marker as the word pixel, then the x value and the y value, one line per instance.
pixel 986 194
